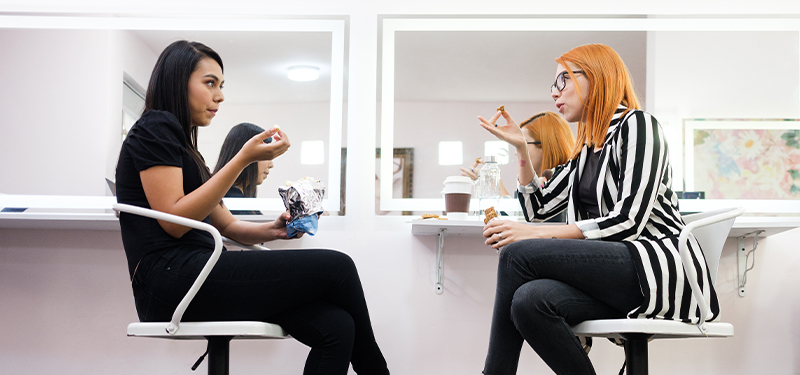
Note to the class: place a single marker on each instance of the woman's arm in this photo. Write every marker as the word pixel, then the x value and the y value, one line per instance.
pixel 163 185
pixel 246 232
pixel 499 233
pixel 543 202
pixel 512 133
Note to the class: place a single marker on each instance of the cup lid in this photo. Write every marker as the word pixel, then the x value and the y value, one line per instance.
pixel 457 180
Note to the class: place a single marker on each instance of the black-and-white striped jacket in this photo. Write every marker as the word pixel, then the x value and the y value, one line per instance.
pixel 637 207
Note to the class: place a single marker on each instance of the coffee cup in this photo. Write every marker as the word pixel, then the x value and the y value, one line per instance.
pixel 457 193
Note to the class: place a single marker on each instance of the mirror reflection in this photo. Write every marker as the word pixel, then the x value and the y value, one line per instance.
pixel 442 80
pixel 72 94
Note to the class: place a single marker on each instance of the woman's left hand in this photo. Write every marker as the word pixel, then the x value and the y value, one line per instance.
pixel 278 228
pixel 510 132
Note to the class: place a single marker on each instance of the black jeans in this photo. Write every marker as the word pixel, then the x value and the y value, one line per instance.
pixel 544 286
pixel 315 295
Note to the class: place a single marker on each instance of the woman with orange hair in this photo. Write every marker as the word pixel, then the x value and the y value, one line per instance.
pixel 616 255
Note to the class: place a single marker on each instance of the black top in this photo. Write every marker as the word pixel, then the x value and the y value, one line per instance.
pixel 156 139
pixel 235 192
pixel 587 190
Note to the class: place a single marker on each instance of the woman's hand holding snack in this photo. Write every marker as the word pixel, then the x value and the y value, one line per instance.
pixel 277 228
pixel 499 233
pixel 510 132
pixel 255 149
pixel 472 173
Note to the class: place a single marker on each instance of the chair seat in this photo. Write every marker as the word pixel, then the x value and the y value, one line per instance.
pixel 201 330
pixel 660 329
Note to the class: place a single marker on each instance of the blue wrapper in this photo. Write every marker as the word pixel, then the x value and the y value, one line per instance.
pixel 307 224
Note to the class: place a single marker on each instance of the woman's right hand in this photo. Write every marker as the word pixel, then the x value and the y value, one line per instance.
pixel 472 173
pixel 256 150
pixel 510 132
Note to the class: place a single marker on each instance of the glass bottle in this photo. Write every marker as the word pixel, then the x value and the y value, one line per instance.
pixel 488 183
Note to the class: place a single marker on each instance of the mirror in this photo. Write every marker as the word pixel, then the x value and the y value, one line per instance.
pixel 63 109
pixel 438 75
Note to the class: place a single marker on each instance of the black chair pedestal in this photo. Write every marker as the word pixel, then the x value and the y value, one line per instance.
pixel 219 354
pixel 636 353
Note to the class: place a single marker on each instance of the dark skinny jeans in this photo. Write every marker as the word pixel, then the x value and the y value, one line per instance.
pixel 315 295
pixel 544 286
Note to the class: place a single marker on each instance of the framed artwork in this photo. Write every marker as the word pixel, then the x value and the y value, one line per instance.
pixel 743 159
pixel 402 177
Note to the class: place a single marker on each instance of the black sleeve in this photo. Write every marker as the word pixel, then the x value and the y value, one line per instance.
pixel 156 139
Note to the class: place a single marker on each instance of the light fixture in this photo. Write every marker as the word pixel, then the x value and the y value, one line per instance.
pixel 312 152
pixel 498 149
pixel 303 73
pixel 450 153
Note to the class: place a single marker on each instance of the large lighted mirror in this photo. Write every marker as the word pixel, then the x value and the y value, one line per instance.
pixel 75 84
pixel 438 75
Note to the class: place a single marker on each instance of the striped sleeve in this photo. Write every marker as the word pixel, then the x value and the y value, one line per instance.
pixel 541 203
pixel 641 153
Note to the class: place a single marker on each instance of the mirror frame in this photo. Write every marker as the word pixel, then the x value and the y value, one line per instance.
pixel 389 26
pixel 337 26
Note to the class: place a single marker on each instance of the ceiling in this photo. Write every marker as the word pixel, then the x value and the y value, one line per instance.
pixel 256 62
pixel 468 66
pixel 497 65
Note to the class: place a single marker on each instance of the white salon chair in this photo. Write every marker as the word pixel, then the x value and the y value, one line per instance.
pixel 711 230
pixel 218 334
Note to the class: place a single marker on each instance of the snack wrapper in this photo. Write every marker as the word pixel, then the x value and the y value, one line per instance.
pixel 303 200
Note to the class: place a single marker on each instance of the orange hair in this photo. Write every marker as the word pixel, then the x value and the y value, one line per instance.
pixel 610 85
pixel 557 140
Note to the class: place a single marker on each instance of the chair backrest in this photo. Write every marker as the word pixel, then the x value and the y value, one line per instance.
pixel 711 237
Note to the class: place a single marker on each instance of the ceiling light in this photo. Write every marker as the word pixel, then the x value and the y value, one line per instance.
pixel 303 73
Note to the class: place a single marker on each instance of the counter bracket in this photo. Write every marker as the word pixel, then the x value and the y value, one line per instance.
pixel 440 260
pixel 742 254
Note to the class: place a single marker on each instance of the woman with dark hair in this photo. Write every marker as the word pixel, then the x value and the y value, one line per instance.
pixel 252 175
pixel 616 256
pixel 316 295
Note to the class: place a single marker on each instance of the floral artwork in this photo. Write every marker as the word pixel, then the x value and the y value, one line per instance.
pixel 747 163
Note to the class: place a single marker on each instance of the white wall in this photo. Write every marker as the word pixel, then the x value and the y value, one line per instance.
pixel 55 112
pixel 131 56
pixel 730 75
pixel 66 298
pixel 61 121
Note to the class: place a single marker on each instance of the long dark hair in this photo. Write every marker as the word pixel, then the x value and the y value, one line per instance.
pixel 234 141
pixel 169 89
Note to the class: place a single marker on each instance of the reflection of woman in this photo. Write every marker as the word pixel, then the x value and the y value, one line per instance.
pixel 617 192
pixel 549 142
pixel 315 295
pixel 252 175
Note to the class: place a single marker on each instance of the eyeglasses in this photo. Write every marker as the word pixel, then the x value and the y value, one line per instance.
pixel 561 80
pixel 534 143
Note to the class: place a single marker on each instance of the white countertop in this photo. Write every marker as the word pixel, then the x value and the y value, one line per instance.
pixel 474 225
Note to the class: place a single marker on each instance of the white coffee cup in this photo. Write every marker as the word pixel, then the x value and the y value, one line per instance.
pixel 457 193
